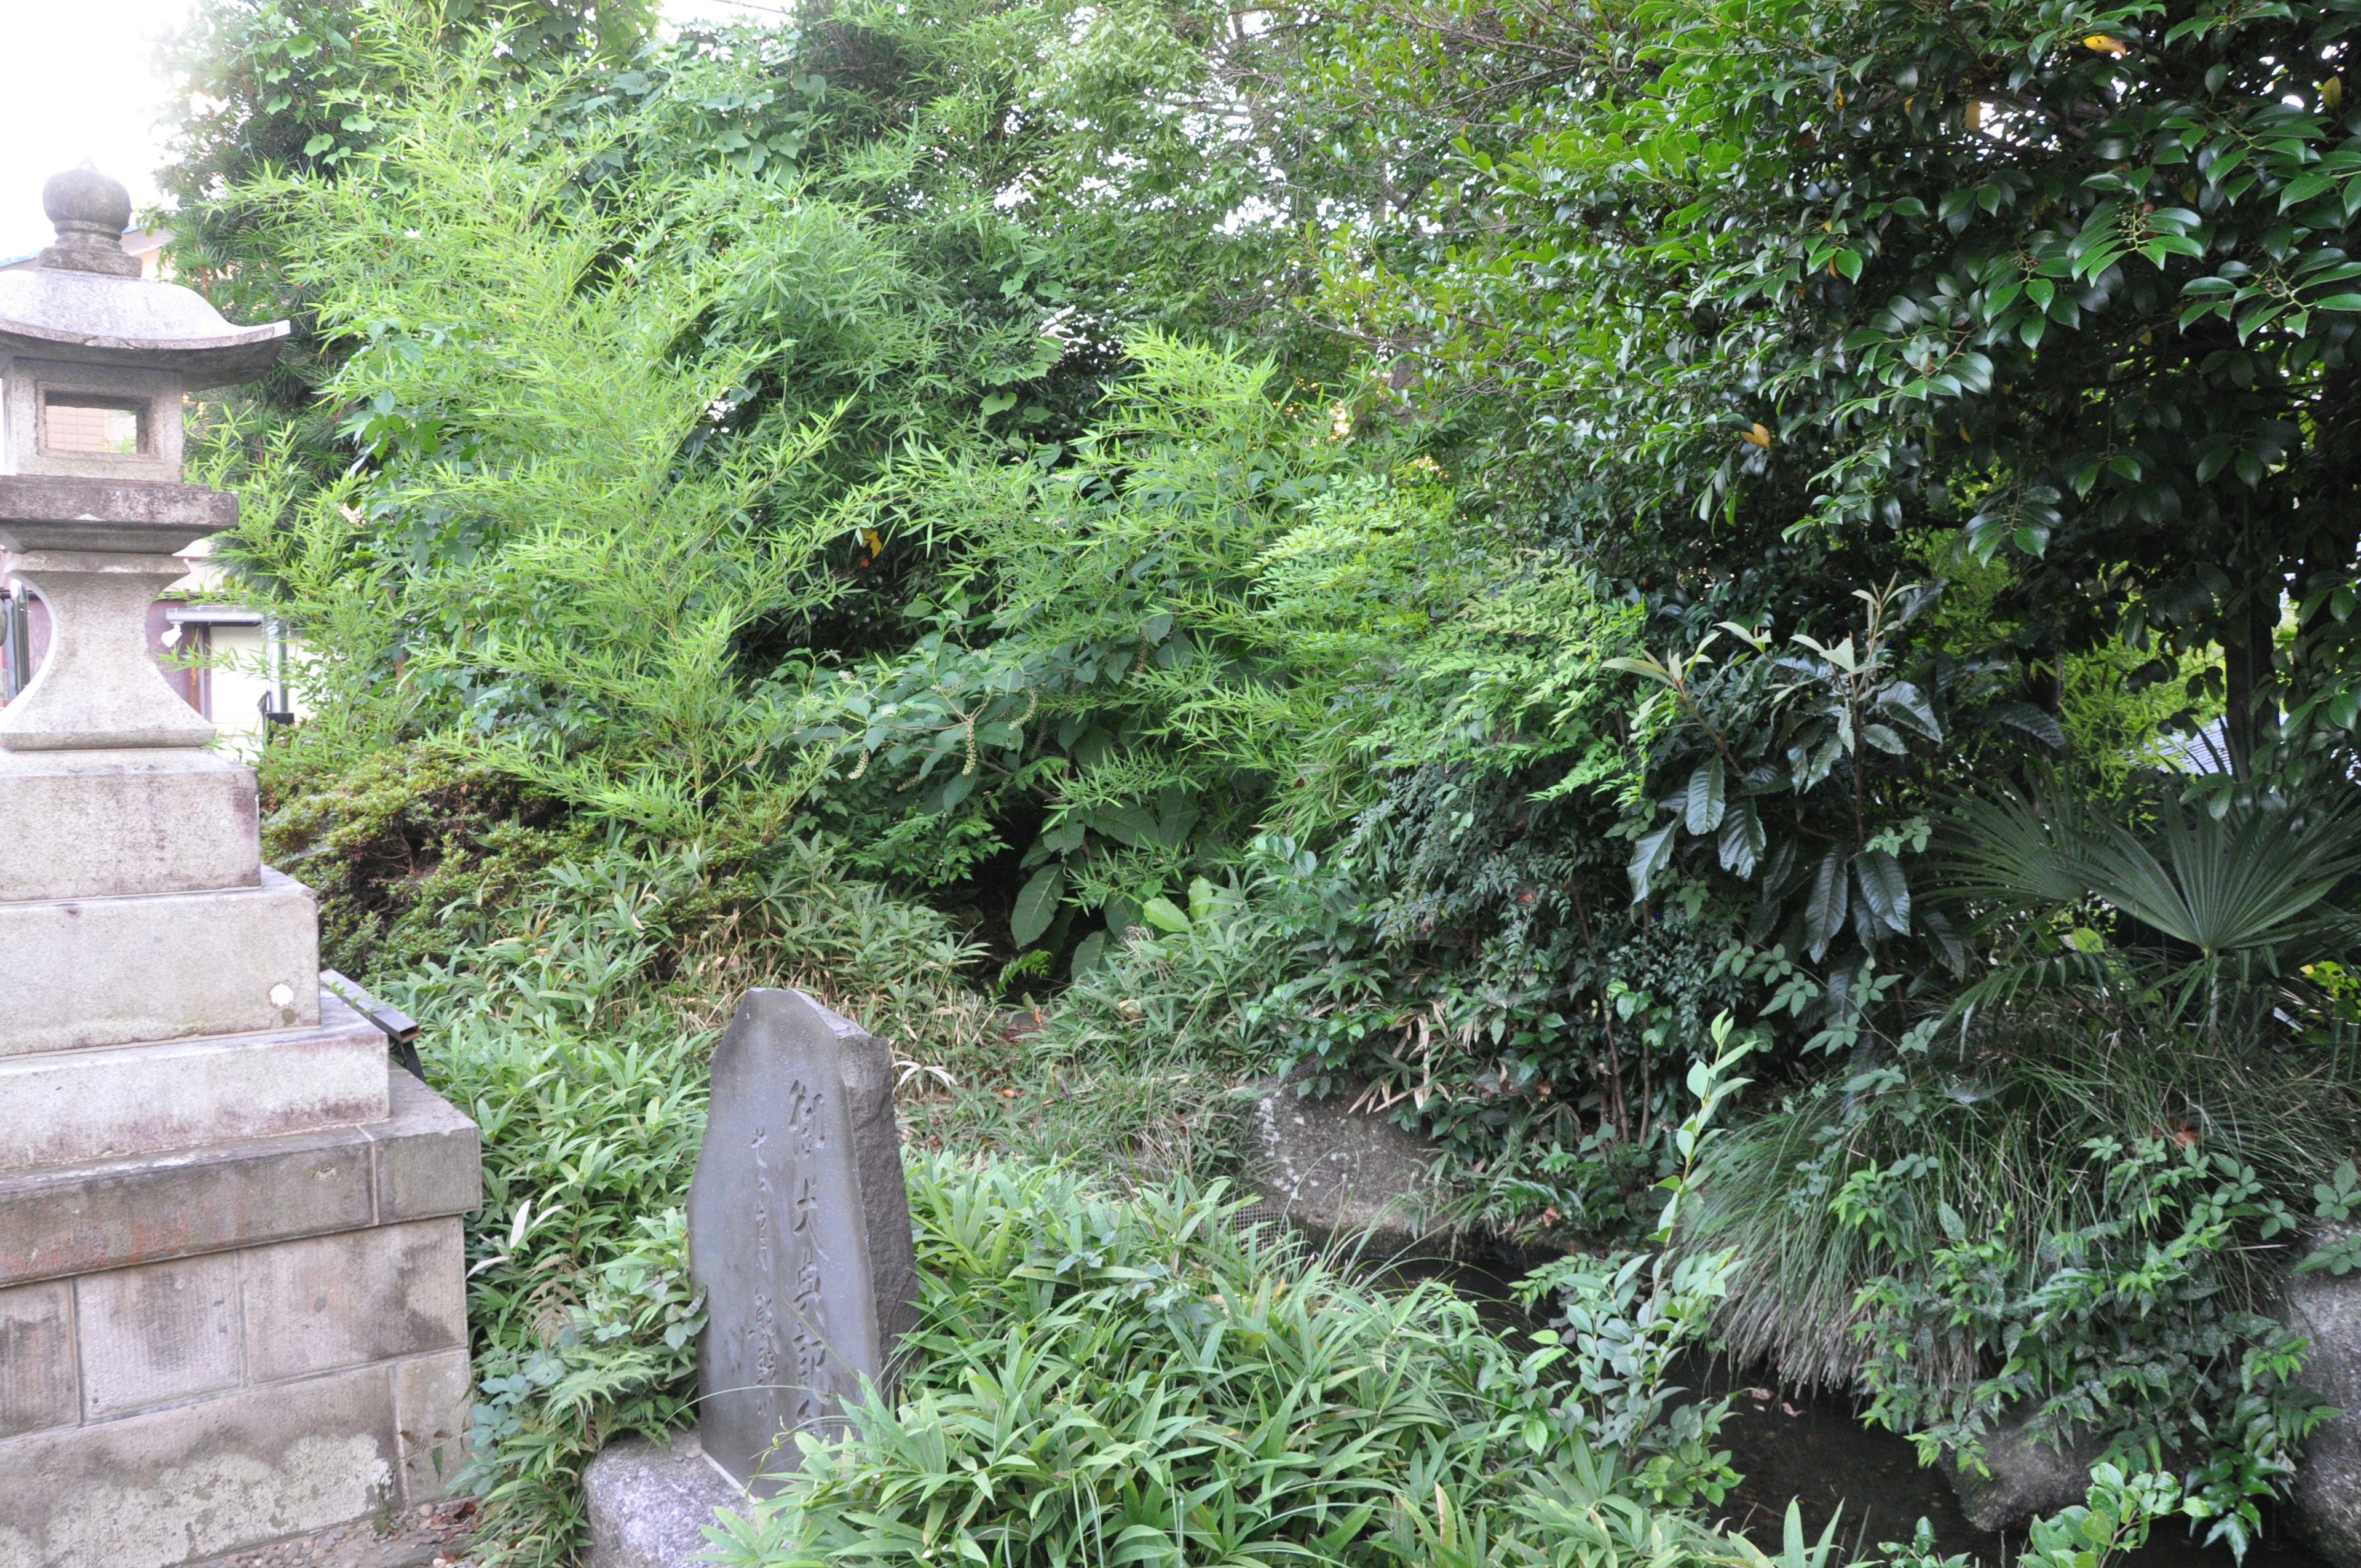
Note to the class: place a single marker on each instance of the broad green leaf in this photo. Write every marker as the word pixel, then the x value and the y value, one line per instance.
pixel 1885 889
pixel 1036 905
pixel 1705 797
pixel 1741 839
pixel 1650 856
pixel 1825 910
pixel 1164 915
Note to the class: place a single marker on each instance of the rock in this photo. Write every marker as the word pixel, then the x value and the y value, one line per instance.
pixel 649 1503
pixel 1349 1178
pixel 2029 1476
pixel 2327 1501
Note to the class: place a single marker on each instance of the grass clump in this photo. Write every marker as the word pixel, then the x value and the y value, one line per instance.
pixel 1135 1378
pixel 2077 1221
pixel 393 840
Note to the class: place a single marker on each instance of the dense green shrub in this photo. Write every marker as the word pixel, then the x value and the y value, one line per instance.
pixel 410 848
pixel 574 1023
pixel 1758 426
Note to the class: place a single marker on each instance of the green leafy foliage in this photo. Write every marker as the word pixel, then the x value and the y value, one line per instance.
pixel 2115 1516
pixel 1752 288
pixel 2109 1328
pixel 737 464
pixel 1797 774
pixel 1145 1375
pixel 2075 1219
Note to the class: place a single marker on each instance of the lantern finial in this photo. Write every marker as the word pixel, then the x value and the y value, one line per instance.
pixel 91 212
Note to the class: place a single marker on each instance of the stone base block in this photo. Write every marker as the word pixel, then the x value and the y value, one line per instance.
pixel 60 1107
pixel 123 823
pixel 2026 1477
pixel 171 1485
pixel 420 1163
pixel 2326 1309
pixel 182 1378
pixel 649 1503
pixel 109 972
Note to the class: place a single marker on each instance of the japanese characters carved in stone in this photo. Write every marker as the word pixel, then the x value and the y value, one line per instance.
pixel 800 1231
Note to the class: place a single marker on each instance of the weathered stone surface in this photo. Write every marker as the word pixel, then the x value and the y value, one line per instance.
pixel 147 510
pixel 1350 1177
pixel 425 1535
pixel 159 1335
pixel 799 1234
pixel 420 1163
pixel 339 1300
pixel 432 1397
pixel 98 687
pixel 112 972
pixel 60 1107
pixel 428 1158
pixel 40 1386
pixel 649 1503
pixel 116 824
pixel 184 1432
pixel 2029 1476
pixel 90 212
pixel 2326 1309
pixel 59 314
pixel 194 1480
pixel 151 394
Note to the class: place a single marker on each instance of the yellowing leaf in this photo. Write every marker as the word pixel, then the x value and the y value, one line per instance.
pixel 1758 434
pixel 2103 44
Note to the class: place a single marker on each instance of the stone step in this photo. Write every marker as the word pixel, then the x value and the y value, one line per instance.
pixel 81 974
pixel 419 1162
pixel 122 823
pixel 56 1107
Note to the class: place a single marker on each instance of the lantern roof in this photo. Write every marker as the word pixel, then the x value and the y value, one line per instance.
pixel 85 304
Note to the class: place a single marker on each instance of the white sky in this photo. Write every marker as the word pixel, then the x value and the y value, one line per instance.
pixel 79 80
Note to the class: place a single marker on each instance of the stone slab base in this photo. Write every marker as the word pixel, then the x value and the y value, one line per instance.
pixel 649 1503
pixel 110 971
pixel 184 1379
pixel 124 823
pixel 434 1535
pixel 58 1107
pixel 170 1485
pixel 2326 1309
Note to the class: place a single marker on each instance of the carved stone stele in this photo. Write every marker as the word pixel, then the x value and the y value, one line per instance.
pixel 798 1230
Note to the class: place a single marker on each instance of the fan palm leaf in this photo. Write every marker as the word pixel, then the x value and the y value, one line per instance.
pixel 2249 888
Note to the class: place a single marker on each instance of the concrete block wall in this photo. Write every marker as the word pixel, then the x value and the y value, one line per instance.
pixel 252 1340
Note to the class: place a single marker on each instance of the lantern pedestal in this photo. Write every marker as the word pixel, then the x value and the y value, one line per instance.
pixel 244 1339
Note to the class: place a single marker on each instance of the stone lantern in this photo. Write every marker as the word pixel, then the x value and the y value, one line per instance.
pixel 231 1281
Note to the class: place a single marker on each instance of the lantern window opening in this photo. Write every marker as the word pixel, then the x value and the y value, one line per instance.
pixel 94 423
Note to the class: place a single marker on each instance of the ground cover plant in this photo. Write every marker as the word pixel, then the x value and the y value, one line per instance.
pixel 575 1025
pixel 1439 547
pixel 1101 1377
